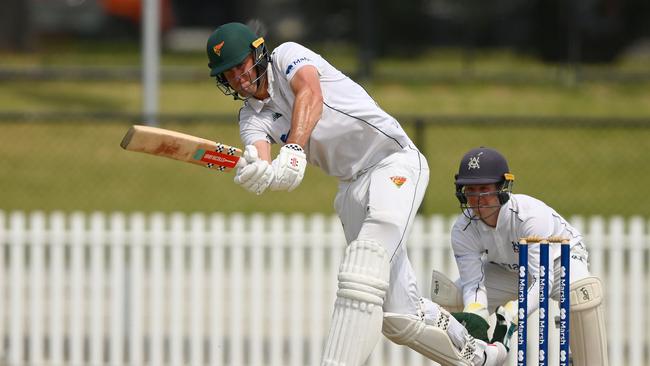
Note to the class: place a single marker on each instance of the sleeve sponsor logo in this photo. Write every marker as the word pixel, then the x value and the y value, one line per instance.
pixel 295 63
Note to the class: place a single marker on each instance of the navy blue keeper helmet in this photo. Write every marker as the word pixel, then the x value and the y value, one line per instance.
pixel 484 165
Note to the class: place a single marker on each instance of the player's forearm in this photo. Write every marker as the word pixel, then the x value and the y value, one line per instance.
pixel 307 111
pixel 263 150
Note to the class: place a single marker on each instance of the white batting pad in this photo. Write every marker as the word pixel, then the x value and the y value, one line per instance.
pixel 432 342
pixel 356 322
pixel 587 333
pixel 445 293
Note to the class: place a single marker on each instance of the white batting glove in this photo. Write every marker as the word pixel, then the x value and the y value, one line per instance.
pixel 289 168
pixel 257 174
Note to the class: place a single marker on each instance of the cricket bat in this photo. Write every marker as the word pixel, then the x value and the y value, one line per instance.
pixel 182 147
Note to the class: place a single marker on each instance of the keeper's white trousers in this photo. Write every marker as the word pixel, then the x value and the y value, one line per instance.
pixel 380 205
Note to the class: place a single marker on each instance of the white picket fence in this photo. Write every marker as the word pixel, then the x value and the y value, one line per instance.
pixel 116 289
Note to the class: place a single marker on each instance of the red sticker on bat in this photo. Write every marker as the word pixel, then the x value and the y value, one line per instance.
pixel 221 159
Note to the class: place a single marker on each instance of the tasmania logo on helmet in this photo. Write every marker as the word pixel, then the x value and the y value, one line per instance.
pixel 217 48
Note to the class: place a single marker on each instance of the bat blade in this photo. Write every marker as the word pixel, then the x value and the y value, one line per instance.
pixel 183 147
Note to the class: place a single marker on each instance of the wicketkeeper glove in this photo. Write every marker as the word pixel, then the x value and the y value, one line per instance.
pixel 478 309
pixel 257 174
pixel 289 168
pixel 476 326
pixel 506 323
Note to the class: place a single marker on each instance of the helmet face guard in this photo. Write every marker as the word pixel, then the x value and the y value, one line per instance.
pixel 483 166
pixel 503 191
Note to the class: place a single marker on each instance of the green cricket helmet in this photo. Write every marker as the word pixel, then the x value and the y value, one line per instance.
pixel 228 46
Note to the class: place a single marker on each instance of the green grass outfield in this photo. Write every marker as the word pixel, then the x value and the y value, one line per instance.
pixel 80 166
pixel 77 164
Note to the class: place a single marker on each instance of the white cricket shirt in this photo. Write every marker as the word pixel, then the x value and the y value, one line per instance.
pixel 476 243
pixel 353 134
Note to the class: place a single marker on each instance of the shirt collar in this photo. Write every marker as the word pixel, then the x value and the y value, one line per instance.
pixel 257 104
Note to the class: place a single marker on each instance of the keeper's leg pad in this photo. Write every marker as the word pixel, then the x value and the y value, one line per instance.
pixel 431 341
pixel 445 293
pixel 587 333
pixel 356 322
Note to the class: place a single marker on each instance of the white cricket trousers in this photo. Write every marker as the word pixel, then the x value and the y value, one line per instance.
pixel 380 205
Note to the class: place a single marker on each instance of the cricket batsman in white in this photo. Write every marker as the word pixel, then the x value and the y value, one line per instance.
pixel 485 241
pixel 293 97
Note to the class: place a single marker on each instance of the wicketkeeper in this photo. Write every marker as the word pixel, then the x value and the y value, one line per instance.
pixel 485 240
pixel 293 97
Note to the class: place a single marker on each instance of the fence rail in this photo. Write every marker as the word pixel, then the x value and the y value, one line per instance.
pixel 172 289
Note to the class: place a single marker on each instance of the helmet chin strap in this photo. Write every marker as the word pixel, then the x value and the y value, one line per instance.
pixel 469 212
pixel 490 215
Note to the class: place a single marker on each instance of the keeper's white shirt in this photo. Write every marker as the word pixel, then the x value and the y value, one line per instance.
pixel 478 246
pixel 353 134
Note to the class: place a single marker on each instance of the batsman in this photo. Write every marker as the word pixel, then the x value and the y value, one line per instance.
pixel 485 240
pixel 295 98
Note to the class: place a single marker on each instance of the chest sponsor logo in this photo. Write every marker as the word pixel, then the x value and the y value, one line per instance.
pixel 398 180
pixel 510 267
